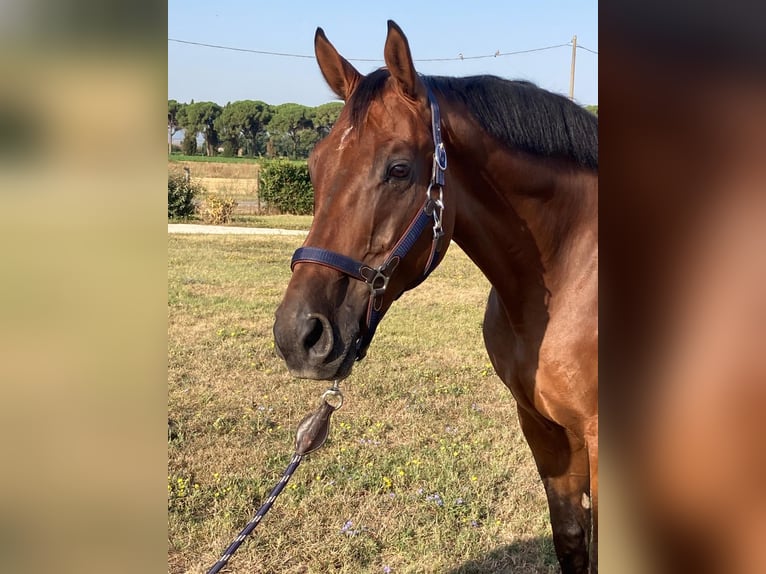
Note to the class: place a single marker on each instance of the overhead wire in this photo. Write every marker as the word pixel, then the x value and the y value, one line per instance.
pixel 459 57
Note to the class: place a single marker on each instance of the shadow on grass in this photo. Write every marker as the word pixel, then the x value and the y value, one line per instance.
pixel 535 555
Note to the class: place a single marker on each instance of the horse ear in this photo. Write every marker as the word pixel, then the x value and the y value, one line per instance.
pixel 341 76
pixel 399 63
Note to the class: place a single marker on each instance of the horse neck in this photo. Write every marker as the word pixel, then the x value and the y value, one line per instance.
pixel 528 223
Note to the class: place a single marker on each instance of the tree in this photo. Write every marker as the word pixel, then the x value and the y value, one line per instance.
pixel 242 122
pixel 288 121
pixel 189 143
pixel 592 109
pixel 288 129
pixel 307 139
pixel 325 116
pixel 174 109
pixel 200 117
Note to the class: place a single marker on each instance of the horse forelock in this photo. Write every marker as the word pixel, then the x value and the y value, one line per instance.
pixel 368 90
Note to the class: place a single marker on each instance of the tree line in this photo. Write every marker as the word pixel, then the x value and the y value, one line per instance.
pixel 255 128
pixel 251 127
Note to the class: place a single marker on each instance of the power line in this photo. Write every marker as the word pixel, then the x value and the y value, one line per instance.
pixel 460 56
pixel 239 49
pixel 588 49
pixel 495 55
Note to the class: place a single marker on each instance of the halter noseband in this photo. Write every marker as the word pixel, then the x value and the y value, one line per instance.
pixel 377 278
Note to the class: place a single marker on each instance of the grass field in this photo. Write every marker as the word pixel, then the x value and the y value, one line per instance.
pixel 425 469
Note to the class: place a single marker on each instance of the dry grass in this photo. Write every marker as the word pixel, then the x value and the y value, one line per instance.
pixel 199 169
pixel 230 186
pixel 425 459
pixel 238 181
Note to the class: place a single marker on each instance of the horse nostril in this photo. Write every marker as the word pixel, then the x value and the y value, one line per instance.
pixel 313 336
pixel 318 338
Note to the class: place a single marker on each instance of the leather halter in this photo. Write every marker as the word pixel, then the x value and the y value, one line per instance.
pixel 377 278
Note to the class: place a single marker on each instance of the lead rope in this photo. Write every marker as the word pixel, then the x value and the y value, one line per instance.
pixel 311 435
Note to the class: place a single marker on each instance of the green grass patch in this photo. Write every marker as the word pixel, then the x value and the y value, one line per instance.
pixel 425 470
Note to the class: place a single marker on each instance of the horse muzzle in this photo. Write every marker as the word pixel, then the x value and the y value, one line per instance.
pixel 312 345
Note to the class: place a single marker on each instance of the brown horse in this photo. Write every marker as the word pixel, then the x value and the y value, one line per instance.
pixel 519 197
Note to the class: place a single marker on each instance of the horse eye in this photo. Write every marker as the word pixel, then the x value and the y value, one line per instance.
pixel 399 171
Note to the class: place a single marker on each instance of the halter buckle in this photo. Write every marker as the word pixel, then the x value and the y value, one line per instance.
pixel 378 284
pixel 377 278
pixel 435 208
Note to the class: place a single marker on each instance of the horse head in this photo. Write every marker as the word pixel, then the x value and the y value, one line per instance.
pixel 380 225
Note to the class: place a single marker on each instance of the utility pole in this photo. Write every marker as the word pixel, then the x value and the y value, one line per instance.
pixel 572 69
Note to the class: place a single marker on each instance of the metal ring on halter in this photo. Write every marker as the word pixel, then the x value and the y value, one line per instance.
pixel 334 394
pixel 440 155
pixel 379 283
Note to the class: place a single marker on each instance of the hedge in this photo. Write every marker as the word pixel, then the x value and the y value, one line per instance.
pixel 286 186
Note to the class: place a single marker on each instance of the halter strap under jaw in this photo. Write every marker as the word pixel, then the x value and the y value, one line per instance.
pixel 377 278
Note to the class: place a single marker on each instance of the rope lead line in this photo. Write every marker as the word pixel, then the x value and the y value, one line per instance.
pixel 247 530
pixel 311 435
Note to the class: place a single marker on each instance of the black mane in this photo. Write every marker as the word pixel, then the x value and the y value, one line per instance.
pixel 517 113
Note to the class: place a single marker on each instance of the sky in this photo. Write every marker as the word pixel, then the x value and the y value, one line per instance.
pixel 357 29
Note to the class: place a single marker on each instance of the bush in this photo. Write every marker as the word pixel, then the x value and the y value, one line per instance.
pixel 218 210
pixel 286 186
pixel 181 196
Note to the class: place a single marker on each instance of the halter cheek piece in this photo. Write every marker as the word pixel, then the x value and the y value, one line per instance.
pixel 377 278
